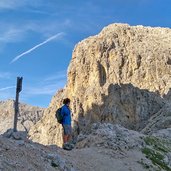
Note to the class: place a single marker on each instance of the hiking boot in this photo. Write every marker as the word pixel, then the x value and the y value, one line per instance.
pixel 71 145
pixel 67 147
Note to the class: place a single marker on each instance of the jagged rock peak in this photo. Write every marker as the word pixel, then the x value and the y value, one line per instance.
pixel 122 75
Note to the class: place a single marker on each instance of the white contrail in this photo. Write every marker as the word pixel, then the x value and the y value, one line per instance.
pixel 7 88
pixel 35 47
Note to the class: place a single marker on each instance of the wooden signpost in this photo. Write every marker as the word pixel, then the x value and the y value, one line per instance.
pixel 18 90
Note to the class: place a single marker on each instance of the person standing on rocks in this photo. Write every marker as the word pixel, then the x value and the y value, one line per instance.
pixel 66 123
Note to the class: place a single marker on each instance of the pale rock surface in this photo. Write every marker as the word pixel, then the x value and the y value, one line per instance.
pixel 122 76
pixel 113 147
pixel 28 116
pixel 160 120
pixel 105 147
pixel 110 136
pixel 27 156
pixel 163 133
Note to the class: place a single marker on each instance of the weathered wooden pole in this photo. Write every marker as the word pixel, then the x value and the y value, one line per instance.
pixel 16 110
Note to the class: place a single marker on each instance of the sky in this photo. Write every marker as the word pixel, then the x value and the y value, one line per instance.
pixel 37 38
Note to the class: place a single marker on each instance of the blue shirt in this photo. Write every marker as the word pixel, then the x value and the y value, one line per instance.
pixel 66 114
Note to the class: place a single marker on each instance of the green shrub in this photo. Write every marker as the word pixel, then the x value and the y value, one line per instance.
pixel 156 150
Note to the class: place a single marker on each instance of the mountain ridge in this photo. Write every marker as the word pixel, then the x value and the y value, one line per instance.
pixel 28 115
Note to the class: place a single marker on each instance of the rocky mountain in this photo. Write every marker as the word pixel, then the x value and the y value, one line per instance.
pixel 29 116
pixel 119 84
pixel 120 76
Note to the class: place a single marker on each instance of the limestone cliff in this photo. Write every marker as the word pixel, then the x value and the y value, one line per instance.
pixel 29 115
pixel 122 75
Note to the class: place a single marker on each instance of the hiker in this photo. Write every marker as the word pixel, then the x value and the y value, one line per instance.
pixel 66 121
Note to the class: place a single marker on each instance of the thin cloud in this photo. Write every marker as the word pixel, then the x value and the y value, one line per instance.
pixel 5 75
pixel 57 36
pixel 47 27
pixel 16 4
pixel 7 93
pixel 10 35
pixel 43 90
pixel 47 86
pixel 60 75
pixel 8 4
pixel 7 88
pixel 37 12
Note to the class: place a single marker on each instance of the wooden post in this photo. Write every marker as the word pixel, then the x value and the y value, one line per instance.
pixel 18 90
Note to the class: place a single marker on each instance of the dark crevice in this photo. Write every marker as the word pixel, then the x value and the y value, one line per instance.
pixel 102 73
pixel 169 61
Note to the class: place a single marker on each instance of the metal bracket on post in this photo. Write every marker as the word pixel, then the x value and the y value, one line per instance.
pixel 18 90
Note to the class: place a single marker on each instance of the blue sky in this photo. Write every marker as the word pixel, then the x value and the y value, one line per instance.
pixel 59 25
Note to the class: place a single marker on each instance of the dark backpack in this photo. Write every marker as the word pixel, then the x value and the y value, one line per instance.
pixel 59 115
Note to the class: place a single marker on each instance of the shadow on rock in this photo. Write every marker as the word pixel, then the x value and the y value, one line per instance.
pixel 124 104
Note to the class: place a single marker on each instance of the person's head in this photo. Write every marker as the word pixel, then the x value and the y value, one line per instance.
pixel 66 101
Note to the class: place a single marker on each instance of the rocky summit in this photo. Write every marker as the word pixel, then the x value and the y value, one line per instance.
pixel 119 84
pixel 120 76
pixel 28 116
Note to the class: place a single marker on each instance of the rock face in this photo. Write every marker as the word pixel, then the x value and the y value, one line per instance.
pixel 111 137
pixel 160 120
pixel 122 75
pixel 29 115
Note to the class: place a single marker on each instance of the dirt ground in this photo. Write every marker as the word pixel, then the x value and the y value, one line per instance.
pixel 97 159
